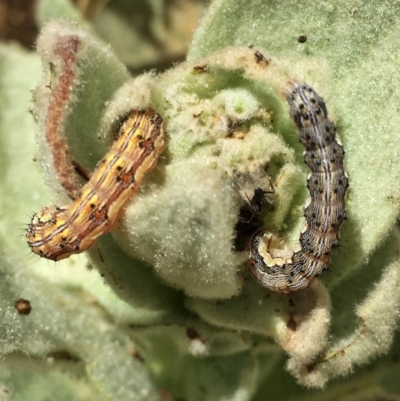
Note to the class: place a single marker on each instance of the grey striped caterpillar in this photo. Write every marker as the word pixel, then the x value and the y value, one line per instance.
pixel 324 211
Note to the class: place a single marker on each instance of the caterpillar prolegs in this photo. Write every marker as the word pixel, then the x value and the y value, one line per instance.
pixel 324 211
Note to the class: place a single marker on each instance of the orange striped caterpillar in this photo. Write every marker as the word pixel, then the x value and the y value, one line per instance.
pixel 324 212
pixel 57 232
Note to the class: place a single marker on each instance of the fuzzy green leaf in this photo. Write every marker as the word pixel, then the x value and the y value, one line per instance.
pixel 171 257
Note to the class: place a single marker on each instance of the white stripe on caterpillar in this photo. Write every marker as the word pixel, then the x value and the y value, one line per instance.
pixel 325 210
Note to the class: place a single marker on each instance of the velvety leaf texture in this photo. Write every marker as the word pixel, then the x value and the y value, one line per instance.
pixel 163 307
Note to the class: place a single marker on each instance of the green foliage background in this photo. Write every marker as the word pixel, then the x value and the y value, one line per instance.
pixel 171 314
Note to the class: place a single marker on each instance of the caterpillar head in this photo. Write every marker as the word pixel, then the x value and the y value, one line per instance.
pixel 48 234
pixel 307 108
